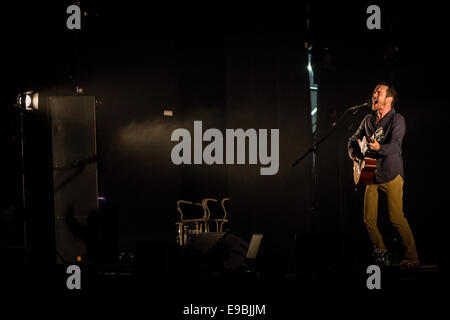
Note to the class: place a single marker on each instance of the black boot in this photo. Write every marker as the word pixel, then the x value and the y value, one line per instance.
pixel 381 257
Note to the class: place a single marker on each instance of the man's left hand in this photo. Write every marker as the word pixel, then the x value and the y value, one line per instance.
pixel 374 146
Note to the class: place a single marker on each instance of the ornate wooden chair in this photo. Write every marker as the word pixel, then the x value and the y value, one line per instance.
pixel 192 223
pixel 214 216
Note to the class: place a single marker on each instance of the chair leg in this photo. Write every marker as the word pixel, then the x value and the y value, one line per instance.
pixel 180 234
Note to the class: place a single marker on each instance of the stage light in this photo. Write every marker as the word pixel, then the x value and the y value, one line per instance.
pixel 28 100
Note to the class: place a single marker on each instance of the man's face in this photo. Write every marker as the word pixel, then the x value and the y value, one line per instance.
pixel 379 99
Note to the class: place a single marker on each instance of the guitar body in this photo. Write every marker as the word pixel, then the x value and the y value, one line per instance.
pixel 364 168
pixel 364 171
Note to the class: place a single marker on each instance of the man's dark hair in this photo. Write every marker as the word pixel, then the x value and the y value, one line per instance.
pixel 390 92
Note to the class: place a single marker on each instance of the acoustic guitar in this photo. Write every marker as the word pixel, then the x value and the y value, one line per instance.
pixel 364 167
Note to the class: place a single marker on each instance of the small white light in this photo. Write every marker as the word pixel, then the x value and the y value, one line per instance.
pixel 27 101
pixel 314 111
pixel 309 67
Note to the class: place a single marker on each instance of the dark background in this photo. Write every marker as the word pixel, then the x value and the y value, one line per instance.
pixel 236 65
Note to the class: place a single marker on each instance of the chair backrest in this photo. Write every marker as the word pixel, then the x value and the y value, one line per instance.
pixel 214 209
pixel 224 208
pixel 191 210
pixel 208 205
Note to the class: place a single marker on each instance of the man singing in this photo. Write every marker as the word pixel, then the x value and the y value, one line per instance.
pixel 389 170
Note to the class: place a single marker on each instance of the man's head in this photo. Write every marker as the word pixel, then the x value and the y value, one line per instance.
pixel 383 97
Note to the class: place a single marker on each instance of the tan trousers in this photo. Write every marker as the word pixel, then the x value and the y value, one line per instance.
pixel 394 194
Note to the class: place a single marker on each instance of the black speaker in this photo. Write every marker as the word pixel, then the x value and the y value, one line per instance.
pixel 60 177
pixel 221 250
pixel 207 252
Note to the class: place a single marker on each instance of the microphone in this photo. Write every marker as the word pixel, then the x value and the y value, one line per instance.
pixel 367 103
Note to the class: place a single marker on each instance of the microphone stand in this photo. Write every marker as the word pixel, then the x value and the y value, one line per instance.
pixel 316 145
pixel 21 110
